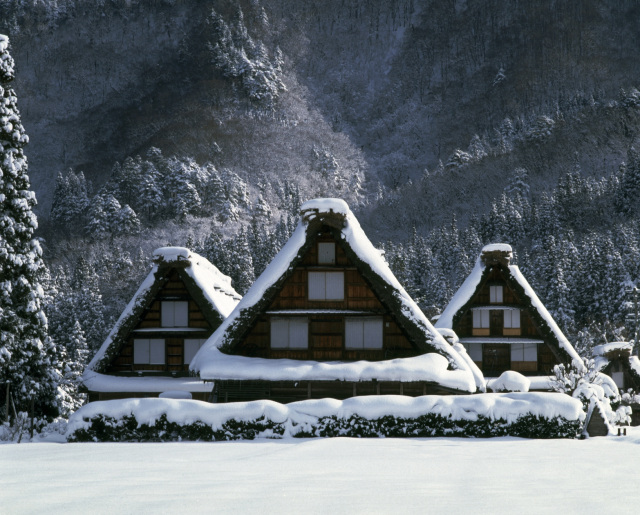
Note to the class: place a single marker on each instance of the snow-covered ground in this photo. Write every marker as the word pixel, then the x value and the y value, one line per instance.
pixel 341 475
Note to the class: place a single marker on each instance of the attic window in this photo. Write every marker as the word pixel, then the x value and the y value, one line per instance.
pixel 175 313
pixel 191 347
pixel 290 333
pixel 363 333
pixel 148 351
pixel 326 253
pixel 495 294
pixel 326 285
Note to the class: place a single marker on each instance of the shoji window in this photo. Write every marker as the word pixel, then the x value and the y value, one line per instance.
pixel 524 352
pixel 290 333
pixel 496 294
pixel 326 253
pixel 191 347
pixel 174 313
pixel 363 333
pixel 149 351
pixel 326 285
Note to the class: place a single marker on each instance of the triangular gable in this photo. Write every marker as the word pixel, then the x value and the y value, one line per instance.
pixel 209 288
pixel 371 265
pixel 500 253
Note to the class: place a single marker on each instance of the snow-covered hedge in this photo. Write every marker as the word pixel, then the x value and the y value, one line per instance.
pixel 529 415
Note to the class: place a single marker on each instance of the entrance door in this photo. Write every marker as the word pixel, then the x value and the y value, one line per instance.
pixel 496 358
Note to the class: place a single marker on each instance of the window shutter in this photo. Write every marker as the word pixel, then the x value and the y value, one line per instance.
pixel 353 333
pixel 181 314
pixel 475 351
pixel 298 333
pixel 141 351
pixel 373 333
pixel 191 348
pixel 335 285
pixel 167 313
pixel 484 315
pixel 495 294
pixel 326 253
pixel 515 319
pixel 279 333
pixel 530 352
pixel 156 352
pixel 517 352
pixel 317 289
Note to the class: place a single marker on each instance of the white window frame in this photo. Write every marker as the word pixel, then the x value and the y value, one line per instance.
pixel 496 294
pixel 174 313
pixel 326 253
pixel 193 345
pixel 289 333
pixel 149 351
pixel 325 285
pixel 481 319
pixel 364 333
pixel 512 319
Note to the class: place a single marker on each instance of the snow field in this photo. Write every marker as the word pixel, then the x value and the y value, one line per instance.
pixel 339 475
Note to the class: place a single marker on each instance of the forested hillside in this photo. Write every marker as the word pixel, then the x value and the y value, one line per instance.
pixel 444 125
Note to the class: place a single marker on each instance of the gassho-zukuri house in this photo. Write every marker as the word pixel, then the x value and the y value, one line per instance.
pixel 328 318
pixel 502 323
pixel 177 307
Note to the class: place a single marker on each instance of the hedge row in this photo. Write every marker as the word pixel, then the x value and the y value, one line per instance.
pixel 108 429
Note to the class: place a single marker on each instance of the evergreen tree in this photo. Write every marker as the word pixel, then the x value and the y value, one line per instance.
pixel 27 353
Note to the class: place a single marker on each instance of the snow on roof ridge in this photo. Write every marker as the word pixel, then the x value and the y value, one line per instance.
pixel 492 247
pixel 326 205
pixel 170 254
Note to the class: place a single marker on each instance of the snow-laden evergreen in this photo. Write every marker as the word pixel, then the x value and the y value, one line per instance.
pixel 27 353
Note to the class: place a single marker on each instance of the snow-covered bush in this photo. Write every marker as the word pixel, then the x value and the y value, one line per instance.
pixel 486 415
pixel 510 381
pixel 593 389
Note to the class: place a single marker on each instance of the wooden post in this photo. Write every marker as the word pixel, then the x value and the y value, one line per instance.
pixel 32 414
pixel 7 404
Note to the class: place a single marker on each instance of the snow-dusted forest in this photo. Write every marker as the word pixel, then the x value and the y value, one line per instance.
pixel 444 125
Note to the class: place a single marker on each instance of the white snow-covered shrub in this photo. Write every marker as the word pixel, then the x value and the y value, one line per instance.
pixel 510 381
pixel 595 390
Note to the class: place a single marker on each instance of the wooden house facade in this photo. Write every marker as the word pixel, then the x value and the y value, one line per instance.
pixel 501 321
pixel 181 302
pixel 322 311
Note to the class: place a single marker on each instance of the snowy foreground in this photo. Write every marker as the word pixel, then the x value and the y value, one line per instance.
pixel 341 475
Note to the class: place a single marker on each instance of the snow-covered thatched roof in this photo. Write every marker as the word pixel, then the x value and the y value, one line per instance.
pixel 501 253
pixel 447 367
pixel 208 287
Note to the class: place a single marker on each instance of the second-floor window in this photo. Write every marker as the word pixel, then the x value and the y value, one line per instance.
pixel 174 313
pixel 363 333
pixel 148 351
pixel 512 319
pixel 481 319
pixel 191 347
pixel 326 285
